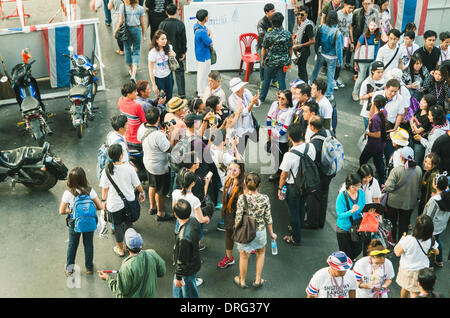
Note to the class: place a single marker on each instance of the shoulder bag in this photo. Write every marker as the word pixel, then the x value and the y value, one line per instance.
pixel 173 63
pixel 132 209
pixel 245 231
pixel 354 234
pixel 431 256
pixel 385 196
pixel 123 34
pixel 365 53
pixel 393 58
pixel 211 50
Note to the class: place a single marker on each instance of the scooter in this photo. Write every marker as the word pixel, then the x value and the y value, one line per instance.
pixel 83 87
pixel 34 167
pixel 28 97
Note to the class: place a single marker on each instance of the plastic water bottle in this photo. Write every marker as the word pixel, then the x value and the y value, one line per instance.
pixel 274 247
pixel 283 192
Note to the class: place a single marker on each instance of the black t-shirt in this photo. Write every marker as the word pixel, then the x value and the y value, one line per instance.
pixel 429 60
pixel 442 147
pixel 307 35
pixel 423 122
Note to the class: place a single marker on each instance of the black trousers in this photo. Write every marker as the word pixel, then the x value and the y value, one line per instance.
pixel 302 72
pixel 400 221
pixel 154 19
pixel 346 245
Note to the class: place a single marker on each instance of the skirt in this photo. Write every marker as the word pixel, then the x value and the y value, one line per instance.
pixel 408 280
pixel 258 242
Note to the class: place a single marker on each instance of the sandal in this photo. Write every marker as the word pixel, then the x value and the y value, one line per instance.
pixel 290 229
pixel 237 281
pixel 260 284
pixel 289 240
pixel 116 251
pixel 118 52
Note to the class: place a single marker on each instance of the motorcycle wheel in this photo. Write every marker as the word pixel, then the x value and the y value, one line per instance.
pixel 44 180
pixel 36 132
pixel 80 131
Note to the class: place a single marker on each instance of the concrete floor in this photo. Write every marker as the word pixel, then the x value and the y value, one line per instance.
pixel 35 237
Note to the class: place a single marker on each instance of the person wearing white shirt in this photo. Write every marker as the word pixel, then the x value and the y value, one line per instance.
pixel 444 48
pixel 120 125
pixel 373 83
pixel 369 184
pixel 214 88
pixel 407 49
pixel 242 101
pixel 412 250
pixel 310 109
pixel 289 168
pixel 389 53
pixel 335 281
pixel 318 89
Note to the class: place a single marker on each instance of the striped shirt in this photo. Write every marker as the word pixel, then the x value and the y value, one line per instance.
pixel 135 115
pixel 278 121
pixel 323 285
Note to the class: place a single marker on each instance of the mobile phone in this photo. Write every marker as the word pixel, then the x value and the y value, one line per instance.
pixel 209 175
pixel 162 94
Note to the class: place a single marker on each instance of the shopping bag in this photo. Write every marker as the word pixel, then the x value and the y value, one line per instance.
pixel 369 223
pixel 102 226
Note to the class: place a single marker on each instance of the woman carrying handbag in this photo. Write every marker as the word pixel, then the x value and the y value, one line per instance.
pixel 121 175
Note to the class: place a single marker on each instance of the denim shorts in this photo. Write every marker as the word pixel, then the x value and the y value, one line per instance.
pixel 258 242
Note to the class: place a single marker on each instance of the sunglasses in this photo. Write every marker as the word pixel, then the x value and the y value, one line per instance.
pixel 233 170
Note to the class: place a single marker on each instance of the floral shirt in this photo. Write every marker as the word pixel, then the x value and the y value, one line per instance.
pixel 258 207
pixel 277 42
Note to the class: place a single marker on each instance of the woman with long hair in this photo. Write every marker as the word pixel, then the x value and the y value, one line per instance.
pixel 158 64
pixel 77 184
pixel 412 250
pixel 415 75
pixel 369 184
pixel 125 177
pixel 136 26
pixel 376 138
pixel 374 272
pixel 233 188
pixel 258 206
pixel 279 118
pixel 440 126
pixel 431 170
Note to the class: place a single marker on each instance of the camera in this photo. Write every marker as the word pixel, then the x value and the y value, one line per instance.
pixel 167 124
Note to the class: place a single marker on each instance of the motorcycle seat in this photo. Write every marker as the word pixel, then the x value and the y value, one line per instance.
pixel 78 90
pixel 12 158
pixel 29 103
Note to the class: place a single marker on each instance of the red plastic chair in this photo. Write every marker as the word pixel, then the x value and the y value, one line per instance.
pixel 247 56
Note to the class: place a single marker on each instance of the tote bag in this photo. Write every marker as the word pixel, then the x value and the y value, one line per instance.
pixel 365 53
pixel 245 231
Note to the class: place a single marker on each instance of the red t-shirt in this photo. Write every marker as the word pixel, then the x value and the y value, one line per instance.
pixel 135 115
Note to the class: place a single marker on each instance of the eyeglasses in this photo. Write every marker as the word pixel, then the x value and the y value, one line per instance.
pixel 233 170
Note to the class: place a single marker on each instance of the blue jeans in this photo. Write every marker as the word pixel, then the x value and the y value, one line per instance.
pixel 291 20
pixel 107 12
pixel 133 46
pixel 165 84
pixel 419 153
pixel 189 290
pixel 296 209
pixel 366 122
pixel 270 73
pixel 88 242
pixel 331 69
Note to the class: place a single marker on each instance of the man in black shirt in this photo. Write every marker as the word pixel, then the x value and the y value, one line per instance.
pixel 429 53
pixel 304 39
pixel 442 147
pixel 263 26
pixel 176 34
pixel 156 13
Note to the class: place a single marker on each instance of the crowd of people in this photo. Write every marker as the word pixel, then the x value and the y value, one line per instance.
pixel 194 150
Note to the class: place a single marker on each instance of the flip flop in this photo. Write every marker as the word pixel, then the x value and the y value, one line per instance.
pixel 237 281
pixel 261 283
pixel 116 251
pixel 118 52
pixel 289 240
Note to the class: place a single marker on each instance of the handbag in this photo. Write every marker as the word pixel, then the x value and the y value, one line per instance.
pixel 385 196
pixel 132 209
pixel 257 126
pixel 354 234
pixel 245 231
pixel 213 55
pixel 173 64
pixel 365 53
pixel 123 34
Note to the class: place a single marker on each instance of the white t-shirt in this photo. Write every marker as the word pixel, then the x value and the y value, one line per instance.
pixel 372 191
pixel 227 158
pixel 365 87
pixel 406 53
pixel 323 285
pixel 161 60
pixel 291 161
pixel 114 138
pixel 155 147
pixel 367 273
pixel 126 180
pixel 245 122
pixel 325 108
pixel 192 199
pixel 385 54
pixel 69 198
pixel 413 258
pixel 308 134
pixel 445 55
pixel 394 107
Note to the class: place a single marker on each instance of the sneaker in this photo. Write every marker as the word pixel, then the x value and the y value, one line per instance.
pixel 260 84
pixel 226 262
pixel 335 86
pixel 275 84
pixel 89 272
pixel 330 98
pixel 198 281
pixel 355 97
pixel 220 227
pixel 201 246
pixel 219 206
pixel 152 211
pixel 340 84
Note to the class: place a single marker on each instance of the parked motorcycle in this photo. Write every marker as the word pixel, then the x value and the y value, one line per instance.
pixel 83 87
pixel 34 167
pixel 29 99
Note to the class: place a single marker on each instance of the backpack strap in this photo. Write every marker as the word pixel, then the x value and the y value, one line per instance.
pixel 301 155
pixel 148 132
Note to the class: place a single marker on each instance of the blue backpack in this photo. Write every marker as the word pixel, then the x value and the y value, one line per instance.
pixel 84 214
pixel 102 157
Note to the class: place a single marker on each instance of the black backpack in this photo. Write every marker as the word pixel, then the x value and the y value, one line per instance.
pixel 307 179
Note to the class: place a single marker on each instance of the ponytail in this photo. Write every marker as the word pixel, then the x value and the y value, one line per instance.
pixel 379 102
pixel 114 153
pixel 185 179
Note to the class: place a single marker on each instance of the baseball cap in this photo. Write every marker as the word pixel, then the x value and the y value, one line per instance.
pixel 339 261
pixel 407 153
pixel 377 65
pixel 133 239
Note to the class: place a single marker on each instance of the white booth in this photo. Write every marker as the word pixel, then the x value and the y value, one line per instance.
pixel 227 20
